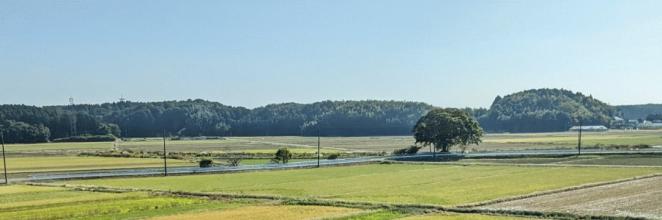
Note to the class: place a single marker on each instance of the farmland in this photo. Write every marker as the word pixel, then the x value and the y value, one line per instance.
pixel 639 198
pixel 606 160
pixel 394 183
pixel 18 202
pixel 448 184
pixel 30 202
pixel 491 142
pixel 73 163
pixel 27 202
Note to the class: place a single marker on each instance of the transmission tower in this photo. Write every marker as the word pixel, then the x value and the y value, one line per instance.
pixel 72 118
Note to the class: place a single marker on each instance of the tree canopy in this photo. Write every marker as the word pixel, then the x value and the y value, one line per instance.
pixel 445 128
pixel 545 110
pixel 205 118
pixel 654 117
pixel 639 111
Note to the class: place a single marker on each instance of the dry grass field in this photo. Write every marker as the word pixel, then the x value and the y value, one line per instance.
pixel 455 216
pixel 74 163
pixel 491 142
pixel 603 160
pixel 272 212
pixel 640 198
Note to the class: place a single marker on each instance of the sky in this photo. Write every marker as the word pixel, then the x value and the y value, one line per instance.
pixel 251 53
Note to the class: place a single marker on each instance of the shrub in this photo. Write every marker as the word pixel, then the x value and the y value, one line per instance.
pixel 640 146
pixel 333 156
pixel 400 151
pixel 411 150
pixel 282 155
pixel 206 163
pixel 233 162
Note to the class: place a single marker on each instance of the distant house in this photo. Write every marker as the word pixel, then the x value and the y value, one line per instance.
pixel 650 125
pixel 590 128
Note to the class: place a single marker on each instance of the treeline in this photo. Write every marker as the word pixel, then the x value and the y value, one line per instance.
pixel 541 110
pixel 545 110
pixel 639 111
pixel 654 117
pixel 23 123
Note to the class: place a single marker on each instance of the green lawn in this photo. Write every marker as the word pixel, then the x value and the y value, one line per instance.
pixel 75 163
pixel 395 183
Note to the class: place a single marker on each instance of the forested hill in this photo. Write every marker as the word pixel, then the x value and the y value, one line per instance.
pixel 198 117
pixel 545 110
pixel 639 111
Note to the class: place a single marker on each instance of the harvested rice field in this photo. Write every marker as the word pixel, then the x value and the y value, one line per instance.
pixel 638 198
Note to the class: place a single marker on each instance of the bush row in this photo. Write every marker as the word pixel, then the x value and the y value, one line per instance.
pixel 87 138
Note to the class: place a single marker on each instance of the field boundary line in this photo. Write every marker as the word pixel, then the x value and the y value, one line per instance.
pixel 406 208
pixel 549 192
pixel 514 164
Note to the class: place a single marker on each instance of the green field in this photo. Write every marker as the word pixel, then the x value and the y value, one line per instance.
pixel 19 202
pixel 74 163
pixel 412 184
pixel 28 202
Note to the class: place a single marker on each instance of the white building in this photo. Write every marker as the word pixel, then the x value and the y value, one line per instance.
pixel 590 128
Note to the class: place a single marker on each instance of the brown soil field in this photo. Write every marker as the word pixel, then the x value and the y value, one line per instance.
pixel 638 198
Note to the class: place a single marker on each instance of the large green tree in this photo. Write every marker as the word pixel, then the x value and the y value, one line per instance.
pixel 445 128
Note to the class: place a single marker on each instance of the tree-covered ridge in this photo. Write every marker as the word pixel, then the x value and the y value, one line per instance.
pixel 200 117
pixel 545 110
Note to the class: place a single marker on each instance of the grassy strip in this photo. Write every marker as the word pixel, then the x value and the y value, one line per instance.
pixel 402 208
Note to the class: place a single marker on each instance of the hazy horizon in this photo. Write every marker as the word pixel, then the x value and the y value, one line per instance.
pixel 254 53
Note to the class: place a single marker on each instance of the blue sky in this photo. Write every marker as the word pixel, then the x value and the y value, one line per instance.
pixel 252 53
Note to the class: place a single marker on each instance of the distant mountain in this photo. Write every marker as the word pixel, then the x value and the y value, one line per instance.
pixel 545 110
pixel 639 111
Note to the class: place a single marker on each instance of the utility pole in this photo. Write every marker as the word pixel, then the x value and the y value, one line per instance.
pixel 579 140
pixel 318 146
pixel 4 160
pixel 165 155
